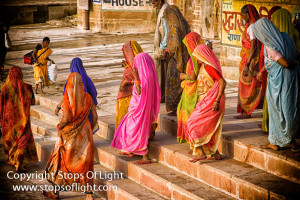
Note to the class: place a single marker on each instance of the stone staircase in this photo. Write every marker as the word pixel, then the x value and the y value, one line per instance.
pixel 246 172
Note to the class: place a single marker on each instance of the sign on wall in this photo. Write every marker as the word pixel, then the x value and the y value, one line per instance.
pixel 232 28
pixel 123 5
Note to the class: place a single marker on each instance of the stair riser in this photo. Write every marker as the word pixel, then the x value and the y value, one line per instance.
pixel 54 120
pixel 243 152
pixel 143 177
pixel 46 102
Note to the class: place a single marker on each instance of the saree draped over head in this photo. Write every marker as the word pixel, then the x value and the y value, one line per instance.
pixel 41 71
pixel 89 87
pixel 205 125
pixel 15 100
pixel 130 50
pixel 178 28
pixel 74 149
pixel 189 97
pixel 134 129
pixel 272 10
pixel 282 19
pixel 282 91
pixel 251 91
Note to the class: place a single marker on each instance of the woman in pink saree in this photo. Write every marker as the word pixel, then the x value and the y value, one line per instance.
pixel 205 123
pixel 133 131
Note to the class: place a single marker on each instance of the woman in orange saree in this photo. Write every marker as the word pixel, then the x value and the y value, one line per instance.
pixel 189 97
pixel 74 149
pixel 252 76
pixel 15 100
pixel 205 123
pixel 130 50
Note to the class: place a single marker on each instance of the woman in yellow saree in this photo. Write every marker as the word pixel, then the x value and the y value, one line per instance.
pixel 15 100
pixel 130 50
pixel 73 152
pixel 41 55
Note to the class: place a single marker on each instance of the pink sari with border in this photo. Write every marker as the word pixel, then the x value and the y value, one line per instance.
pixel 134 129
pixel 205 125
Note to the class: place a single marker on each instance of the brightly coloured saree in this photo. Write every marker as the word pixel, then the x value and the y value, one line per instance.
pixel 282 91
pixel 41 71
pixel 250 91
pixel 130 50
pixel 15 100
pixel 74 148
pixel 133 131
pixel 205 124
pixel 189 97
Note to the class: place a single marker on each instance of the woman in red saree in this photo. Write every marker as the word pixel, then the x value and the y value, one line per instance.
pixel 205 124
pixel 74 149
pixel 15 100
pixel 252 80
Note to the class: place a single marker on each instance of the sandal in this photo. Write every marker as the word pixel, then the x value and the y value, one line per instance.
pixel 270 146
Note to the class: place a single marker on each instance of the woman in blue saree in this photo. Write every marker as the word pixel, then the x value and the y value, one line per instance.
pixel 283 86
pixel 89 87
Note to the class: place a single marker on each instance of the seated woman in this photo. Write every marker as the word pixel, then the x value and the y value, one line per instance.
pixel 89 87
pixel 133 131
pixel 205 124
pixel 130 50
pixel 282 91
pixel 41 55
pixel 74 149
pixel 189 96
pixel 15 100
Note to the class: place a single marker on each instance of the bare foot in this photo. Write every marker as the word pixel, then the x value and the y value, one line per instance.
pixel 270 146
pixel 197 158
pixel 242 117
pixel 216 156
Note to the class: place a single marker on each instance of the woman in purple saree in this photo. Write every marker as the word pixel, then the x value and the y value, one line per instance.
pixel 133 131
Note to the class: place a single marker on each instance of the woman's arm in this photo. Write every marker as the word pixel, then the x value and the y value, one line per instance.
pixel 222 83
pixel 58 107
pixel 191 77
pixel 94 115
pixel 253 50
pixel 34 56
pixel 136 80
pixel 286 64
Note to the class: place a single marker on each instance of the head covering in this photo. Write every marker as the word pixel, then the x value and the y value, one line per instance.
pixel 130 50
pixel 191 41
pixel 272 10
pixel 206 55
pixel 282 19
pixel 270 36
pixel 75 101
pixel 253 13
pixel 89 87
pixel 150 98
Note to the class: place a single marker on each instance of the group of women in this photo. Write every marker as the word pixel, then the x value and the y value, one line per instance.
pixel 200 110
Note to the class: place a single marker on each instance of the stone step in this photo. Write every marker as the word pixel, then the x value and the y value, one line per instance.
pixel 156 176
pixel 126 189
pixel 44 114
pixel 241 140
pixel 42 128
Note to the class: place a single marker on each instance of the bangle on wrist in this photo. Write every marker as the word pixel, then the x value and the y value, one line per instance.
pixel 217 101
pixel 58 127
pixel 137 82
pixel 58 107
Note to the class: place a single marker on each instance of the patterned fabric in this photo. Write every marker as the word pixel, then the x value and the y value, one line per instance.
pixel 15 100
pixel 74 148
pixel 282 91
pixel 189 97
pixel 130 50
pixel 251 91
pixel 178 28
pixel 134 129
pixel 205 124
pixel 41 71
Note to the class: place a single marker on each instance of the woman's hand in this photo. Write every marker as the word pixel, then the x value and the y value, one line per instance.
pixel 182 76
pixel 215 106
pixel 124 63
pixel 56 111
pixel 258 76
pixel 52 61
pixel 138 89
pixel 246 71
